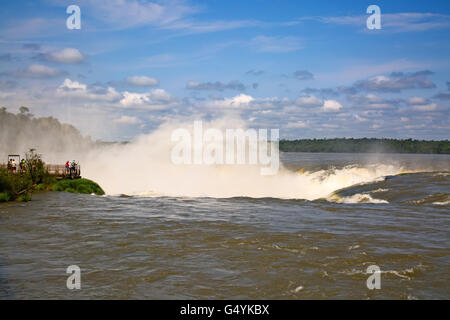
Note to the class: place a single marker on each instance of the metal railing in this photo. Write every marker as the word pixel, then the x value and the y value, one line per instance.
pixel 55 169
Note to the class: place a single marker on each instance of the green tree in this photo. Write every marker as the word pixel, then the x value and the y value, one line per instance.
pixel 34 166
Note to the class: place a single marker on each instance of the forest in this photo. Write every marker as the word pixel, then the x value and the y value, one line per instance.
pixel 366 145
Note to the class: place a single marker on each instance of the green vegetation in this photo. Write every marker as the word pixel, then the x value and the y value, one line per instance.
pixel 19 186
pixel 365 145
pixel 85 186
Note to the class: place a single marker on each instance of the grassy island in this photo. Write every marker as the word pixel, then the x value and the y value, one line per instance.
pixel 85 186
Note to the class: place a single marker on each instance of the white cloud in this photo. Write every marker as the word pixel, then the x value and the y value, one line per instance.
pixel 161 95
pixel 134 99
pixel 426 107
pixel 157 99
pixel 297 124
pixel 240 101
pixel 372 101
pixel 66 56
pixel 331 106
pixel 309 101
pixel 417 100
pixel 82 92
pixel 37 71
pixel 132 13
pixel 142 81
pixel 72 85
pixel 359 118
pixel 190 27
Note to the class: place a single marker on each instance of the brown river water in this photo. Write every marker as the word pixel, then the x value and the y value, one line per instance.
pixel 163 247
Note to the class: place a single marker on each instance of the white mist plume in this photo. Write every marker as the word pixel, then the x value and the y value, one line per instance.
pixel 144 167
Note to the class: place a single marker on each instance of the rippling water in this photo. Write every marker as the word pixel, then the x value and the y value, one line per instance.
pixel 132 247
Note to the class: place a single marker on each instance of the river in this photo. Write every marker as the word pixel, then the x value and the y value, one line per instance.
pixel 179 247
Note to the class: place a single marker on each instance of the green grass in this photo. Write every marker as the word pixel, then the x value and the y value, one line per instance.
pixel 84 186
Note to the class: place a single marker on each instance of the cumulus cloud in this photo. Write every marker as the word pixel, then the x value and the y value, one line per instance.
pixel 36 71
pixel 240 101
pixel 142 81
pixel 69 85
pixel 309 102
pixel 396 82
pixel 80 91
pixel 421 104
pixel 331 106
pixel 218 86
pixel 157 99
pixel 64 56
pixel 372 101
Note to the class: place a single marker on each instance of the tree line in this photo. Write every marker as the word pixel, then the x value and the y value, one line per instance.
pixel 366 145
pixel 22 131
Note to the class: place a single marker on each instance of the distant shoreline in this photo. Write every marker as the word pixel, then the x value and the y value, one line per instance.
pixel 366 145
pixel 353 145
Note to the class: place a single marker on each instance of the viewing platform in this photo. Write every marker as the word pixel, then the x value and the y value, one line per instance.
pixel 61 171
pixel 58 170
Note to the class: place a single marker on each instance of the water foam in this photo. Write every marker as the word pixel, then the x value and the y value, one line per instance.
pixel 356 198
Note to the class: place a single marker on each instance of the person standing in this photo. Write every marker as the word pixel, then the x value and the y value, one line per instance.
pixel 13 165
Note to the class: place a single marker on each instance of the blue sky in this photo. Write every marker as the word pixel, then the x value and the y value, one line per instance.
pixel 310 68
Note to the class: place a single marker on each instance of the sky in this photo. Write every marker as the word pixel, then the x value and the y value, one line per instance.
pixel 310 68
